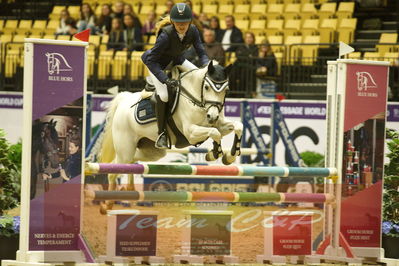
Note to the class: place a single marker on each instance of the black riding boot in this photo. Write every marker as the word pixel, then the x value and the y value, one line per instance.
pixel 161 112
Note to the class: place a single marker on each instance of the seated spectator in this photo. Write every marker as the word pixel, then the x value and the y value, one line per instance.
pixel 116 41
pixel 169 4
pixel 213 49
pixel 231 35
pixel 214 24
pixel 204 20
pixel 190 4
pixel 128 9
pixel 87 19
pixel 118 9
pixel 66 23
pixel 132 34
pixel 149 25
pixel 244 71
pixel 105 19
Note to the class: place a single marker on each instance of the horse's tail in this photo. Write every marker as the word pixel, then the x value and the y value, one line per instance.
pixel 107 149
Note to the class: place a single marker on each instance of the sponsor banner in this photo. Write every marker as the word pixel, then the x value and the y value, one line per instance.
pixel 305 110
pixel 363 153
pixel 136 235
pixel 210 234
pixel 292 235
pixel 58 89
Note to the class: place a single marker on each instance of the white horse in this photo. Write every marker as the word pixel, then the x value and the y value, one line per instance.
pixel 199 115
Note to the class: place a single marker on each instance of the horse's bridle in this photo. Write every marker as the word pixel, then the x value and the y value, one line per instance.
pixel 219 87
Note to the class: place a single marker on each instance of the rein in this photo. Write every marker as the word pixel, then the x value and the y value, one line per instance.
pixel 201 103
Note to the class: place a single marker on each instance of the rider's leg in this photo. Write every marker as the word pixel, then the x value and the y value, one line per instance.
pixel 162 98
pixel 187 64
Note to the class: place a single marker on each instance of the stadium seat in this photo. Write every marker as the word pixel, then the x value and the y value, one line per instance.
pixel 104 64
pixel 49 37
pixel 354 55
pixel 39 24
pixel 91 58
pixel 293 52
pixel 291 11
pixel 226 9
pixel 347 29
pixel 58 9
pixel 258 8
pixel 310 27
pixel 390 40
pixel 119 64
pixel 64 37
pixel 308 11
pixel 146 8
pixel 12 61
pixel 242 9
pixel 104 39
pixel 17 43
pixel 137 68
pixel 210 9
pixel 279 59
pixel 372 56
pixel 276 42
pixel 197 8
pixel 274 11
pixel 98 10
pixel 310 52
pixel 327 30
pixel 345 10
pixel 53 24
pixel 392 57
pixel 160 9
pixel 2 23
pixel 292 27
pixel 94 42
pixel 10 26
pixel 242 24
pixel 327 10
pixel 24 27
pixel 275 27
pixel 4 40
pixel 74 11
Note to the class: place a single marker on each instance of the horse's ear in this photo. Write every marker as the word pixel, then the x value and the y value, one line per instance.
pixel 51 121
pixel 228 69
pixel 211 68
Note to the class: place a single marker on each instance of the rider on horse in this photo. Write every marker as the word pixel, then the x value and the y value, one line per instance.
pixel 172 41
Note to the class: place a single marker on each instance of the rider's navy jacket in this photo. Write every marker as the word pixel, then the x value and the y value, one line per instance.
pixel 168 48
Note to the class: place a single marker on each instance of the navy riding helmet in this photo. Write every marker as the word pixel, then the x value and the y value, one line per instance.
pixel 181 12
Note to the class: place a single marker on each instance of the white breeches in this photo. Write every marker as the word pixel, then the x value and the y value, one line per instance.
pixel 161 88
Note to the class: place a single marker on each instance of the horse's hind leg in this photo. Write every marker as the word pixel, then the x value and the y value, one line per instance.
pixel 125 151
pixel 108 204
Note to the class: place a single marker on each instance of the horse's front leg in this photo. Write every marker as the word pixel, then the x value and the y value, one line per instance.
pixel 226 126
pixel 197 134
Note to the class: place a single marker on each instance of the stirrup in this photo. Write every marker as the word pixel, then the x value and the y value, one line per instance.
pixel 168 144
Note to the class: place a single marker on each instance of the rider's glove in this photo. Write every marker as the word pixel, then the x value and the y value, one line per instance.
pixel 172 84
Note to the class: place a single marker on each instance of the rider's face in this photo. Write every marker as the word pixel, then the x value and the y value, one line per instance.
pixel 181 27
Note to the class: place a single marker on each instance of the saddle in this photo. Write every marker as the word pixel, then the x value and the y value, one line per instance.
pixel 144 111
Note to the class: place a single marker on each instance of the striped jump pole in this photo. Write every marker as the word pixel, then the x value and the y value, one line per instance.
pixel 185 196
pixel 221 170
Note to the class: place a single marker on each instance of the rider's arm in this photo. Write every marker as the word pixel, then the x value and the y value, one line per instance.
pixel 199 48
pixel 154 57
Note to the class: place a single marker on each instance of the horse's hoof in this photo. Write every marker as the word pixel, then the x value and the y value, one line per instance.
pixel 228 159
pixel 104 207
pixel 209 157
